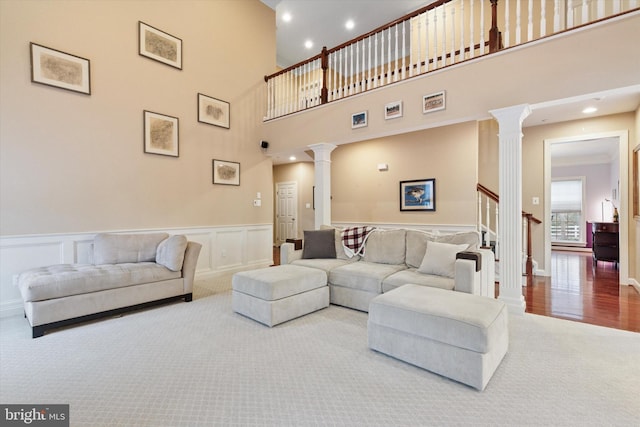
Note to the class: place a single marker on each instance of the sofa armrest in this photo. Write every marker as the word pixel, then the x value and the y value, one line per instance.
pixel 189 265
pixel 476 274
pixel 288 253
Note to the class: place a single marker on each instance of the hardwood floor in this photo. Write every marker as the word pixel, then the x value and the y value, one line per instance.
pixel 576 291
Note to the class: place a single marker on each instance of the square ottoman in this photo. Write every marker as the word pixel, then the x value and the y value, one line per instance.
pixel 457 335
pixel 274 295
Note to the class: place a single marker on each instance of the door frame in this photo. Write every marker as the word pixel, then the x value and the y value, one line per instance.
pixel 623 158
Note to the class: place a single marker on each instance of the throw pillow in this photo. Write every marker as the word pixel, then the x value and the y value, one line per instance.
pixel 171 252
pixel 319 244
pixel 440 259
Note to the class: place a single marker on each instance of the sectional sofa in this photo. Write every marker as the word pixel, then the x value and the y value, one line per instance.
pixel 395 257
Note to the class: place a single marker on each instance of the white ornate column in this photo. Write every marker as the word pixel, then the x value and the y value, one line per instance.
pixel 322 174
pixel 510 228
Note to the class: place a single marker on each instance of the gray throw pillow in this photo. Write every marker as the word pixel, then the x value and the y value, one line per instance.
pixel 171 252
pixel 319 244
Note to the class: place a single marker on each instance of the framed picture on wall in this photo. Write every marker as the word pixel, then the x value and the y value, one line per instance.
pixel 226 173
pixel 213 111
pixel 159 46
pixel 393 110
pixel 55 68
pixel 418 195
pixel 160 134
pixel 433 102
pixel 359 120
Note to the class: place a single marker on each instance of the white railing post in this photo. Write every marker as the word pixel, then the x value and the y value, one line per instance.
pixel 530 21
pixel 369 72
pixel 481 28
pixel 462 55
pixel 404 51
pixel 543 19
pixel 487 240
pixel 395 75
pixel 389 60
pixel 507 33
pixel 480 212
pixel 497 246
pixel 518 19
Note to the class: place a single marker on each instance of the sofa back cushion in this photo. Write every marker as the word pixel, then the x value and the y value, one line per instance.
pixel 386 247
pixel 122 248
pixel 171 251
pixel 417 243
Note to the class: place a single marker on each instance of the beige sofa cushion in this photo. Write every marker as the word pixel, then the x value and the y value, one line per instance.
pixel 63 280
pixel 440 259
pixel 121 248
pixel 386 247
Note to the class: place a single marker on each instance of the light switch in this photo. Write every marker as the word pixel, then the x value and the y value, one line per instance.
pixel 257 202
pixel 536 200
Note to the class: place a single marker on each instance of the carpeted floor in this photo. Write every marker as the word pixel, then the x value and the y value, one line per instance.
pixel 198 363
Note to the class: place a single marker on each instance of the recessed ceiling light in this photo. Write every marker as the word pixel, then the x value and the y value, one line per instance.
pixel 308 44
pixel 350 24
pixel 589 110
pixel 292 158
pixel 286 17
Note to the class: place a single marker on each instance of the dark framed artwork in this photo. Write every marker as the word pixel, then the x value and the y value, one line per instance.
pixel 359 120
pixel 226 173
pixel 59 69
pixel 418 195
pixel 160 134
pixel 393 110
pixel 213 111
pixel 159 46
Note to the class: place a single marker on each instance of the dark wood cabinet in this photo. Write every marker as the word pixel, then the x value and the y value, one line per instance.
pixel 605 242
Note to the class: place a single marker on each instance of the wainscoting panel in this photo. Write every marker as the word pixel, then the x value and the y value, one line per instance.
pixel 225 250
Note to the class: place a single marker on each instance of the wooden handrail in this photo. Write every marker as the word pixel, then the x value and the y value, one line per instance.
pixel 496 198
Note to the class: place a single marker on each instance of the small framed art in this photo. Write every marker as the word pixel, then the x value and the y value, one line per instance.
pixel 160 134
pixel 393 110
pixel 433 102
pixel 418 195
pixel 226 173
pixel 160 46
pixel 359 120
pixel 55 68
pixel 213 111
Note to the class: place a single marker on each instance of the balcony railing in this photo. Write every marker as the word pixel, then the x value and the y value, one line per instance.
pixel 444 33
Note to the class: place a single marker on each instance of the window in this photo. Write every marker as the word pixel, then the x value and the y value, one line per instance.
pixel 567 218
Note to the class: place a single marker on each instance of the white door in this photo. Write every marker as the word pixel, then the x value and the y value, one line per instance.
pixel 286 211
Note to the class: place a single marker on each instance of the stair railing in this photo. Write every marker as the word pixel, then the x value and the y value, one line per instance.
pixel 489 202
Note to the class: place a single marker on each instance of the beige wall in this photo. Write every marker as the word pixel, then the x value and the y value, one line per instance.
pixel 303 174
pixel 74 163
pixel 449 154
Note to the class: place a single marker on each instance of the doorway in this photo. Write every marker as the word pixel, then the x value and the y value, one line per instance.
pixel 620 192
pixel 286 211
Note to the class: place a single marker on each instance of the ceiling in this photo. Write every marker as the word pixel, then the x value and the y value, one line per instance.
pixel 323 22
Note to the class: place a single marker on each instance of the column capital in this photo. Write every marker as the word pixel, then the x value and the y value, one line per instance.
pixel 510 118
pixel 322 151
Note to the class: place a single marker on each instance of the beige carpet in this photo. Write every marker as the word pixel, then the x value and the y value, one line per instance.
pixel 200 364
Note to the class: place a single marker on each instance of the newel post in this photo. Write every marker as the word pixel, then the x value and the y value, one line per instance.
pixel 324 93
pixel 495 42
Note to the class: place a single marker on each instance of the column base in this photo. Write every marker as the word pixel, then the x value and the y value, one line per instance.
pixel 515 305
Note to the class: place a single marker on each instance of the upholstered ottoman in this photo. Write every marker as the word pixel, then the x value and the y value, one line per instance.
pixel 457 335
pixel 274 295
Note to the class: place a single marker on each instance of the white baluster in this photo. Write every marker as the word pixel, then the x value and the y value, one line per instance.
pixel 305 88
pixel 480 225
pixel 452 56
pixel 585 12
pixel 487 235
pixel 435 39
pixel 518 20
pixel 369 62
pixel 556 16
pixel 351 88
pixel 381 58
pixel 444 35
pixel 356 89
pixel 600 12
pixel 507 33
pixel 363 79
pixel 481 28
pixel 419 64
pixel 329 75
pixel 530 22
pixel 404 51
pixel 395 71
pixel 389 56
pixel 462 55
pixel 472 43
pixel 543 18
pixel 375 50
pixel 345 76
pixel 569 12
pixel 497 249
